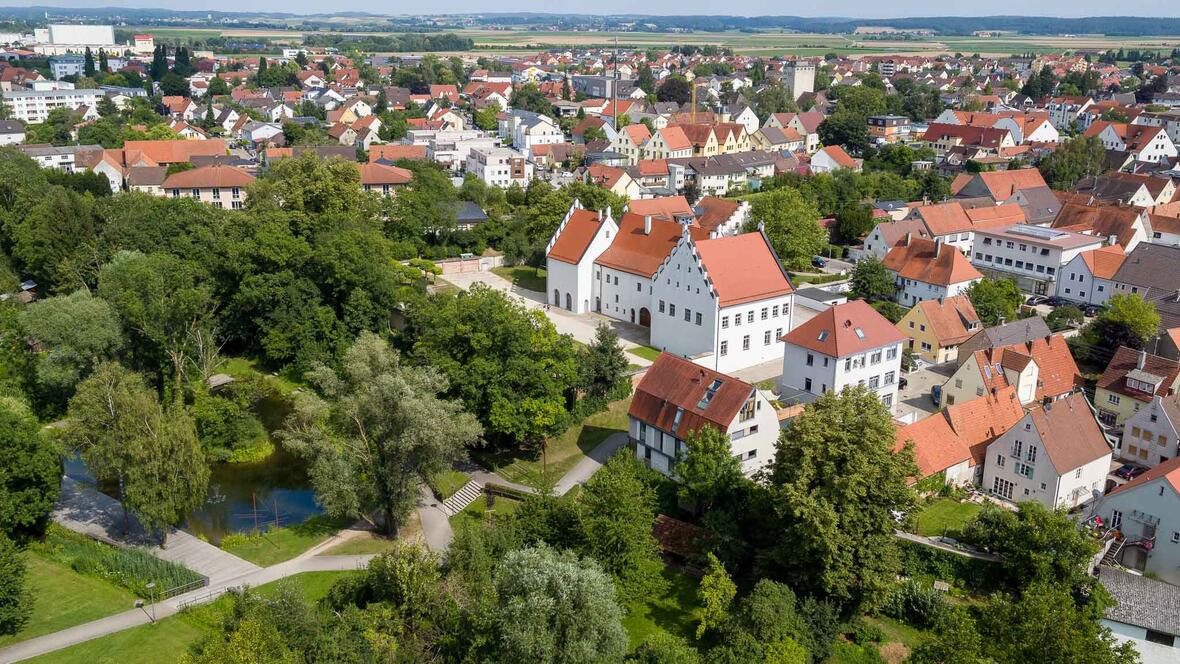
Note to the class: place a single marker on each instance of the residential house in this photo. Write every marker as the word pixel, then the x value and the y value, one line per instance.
pixel 806 124
pixel 1145 613
pixel 668 143
pixel 1150 271
pixel 1124 226
pixel 677 398
pixel 998 185
pixel 928 270
pixel 613 179
pixel 833 158
pixel 845 345
pixel 221 186
pixel 721 216
pixel 1019 331
pixel 936 328
pixel 1150 435
pixel 1131 381
pixel 1064 111
pixel 1088 278
pixel 166 153
pixel 777 139
pixel 526 129
pixel 889 128
pixel 1145 513
pixel 629 142
pixel 943 138
pixel 1128 189
pixel 702 138
pixel 147 179
pixel 1056 455
pixel 1146 143
pixel 954 440
pixel 383 179
pixel 1039 369
pixel 887 234
pixel 11 132
pixel 499 167
pixel 31 106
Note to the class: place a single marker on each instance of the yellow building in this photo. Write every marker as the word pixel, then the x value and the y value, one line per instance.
pixel 1130 382
pixel 935 328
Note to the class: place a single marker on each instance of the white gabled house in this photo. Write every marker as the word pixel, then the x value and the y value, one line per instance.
pixel 678 397
pixel 1056 455
pixel 579 240
pixel 1146 514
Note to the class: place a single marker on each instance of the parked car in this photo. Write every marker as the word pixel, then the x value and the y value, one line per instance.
pixel 1129 471
pixel 936 394
pixel 902 383
pixel 1034 300
pixel 1054 301
pixel 818 261
pixel 1091 310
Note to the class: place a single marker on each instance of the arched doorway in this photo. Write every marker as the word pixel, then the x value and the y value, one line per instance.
pixel 645 317
pixel 556 298
pixel 569 302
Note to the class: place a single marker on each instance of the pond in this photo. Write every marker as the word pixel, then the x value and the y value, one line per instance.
pixel 245 496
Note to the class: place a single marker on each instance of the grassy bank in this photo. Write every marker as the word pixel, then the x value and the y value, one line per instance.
pixel 279 544
pixel 523 276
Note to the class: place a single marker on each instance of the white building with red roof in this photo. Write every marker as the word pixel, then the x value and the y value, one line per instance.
pixel 581 237
pixel 678 397
pixel 724 302
pixel 846 345
pixel 1146 512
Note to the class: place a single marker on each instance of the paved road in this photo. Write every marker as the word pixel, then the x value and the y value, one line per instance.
pixel 83 509
pixel 587 466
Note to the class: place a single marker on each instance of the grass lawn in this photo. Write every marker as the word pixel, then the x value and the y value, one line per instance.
pixel 565 450
pixel 447 483
pixel 797 278
pixel 63 598
pixel 277 545
pixel 529 278
pixel 478 511
pixel 168 639
pixel 945 515
pixel 361 544
pixel 673 611
pixel 646 352
pixel 897 632
pixel 241 366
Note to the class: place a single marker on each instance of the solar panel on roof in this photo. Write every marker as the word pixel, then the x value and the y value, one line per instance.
pixel 1038 232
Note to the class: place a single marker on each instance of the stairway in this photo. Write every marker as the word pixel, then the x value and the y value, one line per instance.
pixel 471 492
pixel 1112 554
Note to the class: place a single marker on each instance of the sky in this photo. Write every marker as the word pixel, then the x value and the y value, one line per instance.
pixel 843 8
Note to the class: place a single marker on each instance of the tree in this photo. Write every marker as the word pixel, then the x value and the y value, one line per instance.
pixel 1036 544
pixel 1063 318
pixel 173 84
pixel 603 365
pixel 16 604
pixel 88 69
pixel 956 640
pixel 311 185
pixel 530 98
pixel 181 63
pixel 715 594
pixel 1077 159
pixel 30 473
pixel 834 481
pixel 618 508
pixel 103 64
pixel 375 430
pixel 708 469
pixel 675 88
pixel 73 333
pixel 159 62
pixel 645 80
pixel 1127 320
pixel 217 87
pixel 871 281
pixel 556 608
pixel 853 222
pixel 846 129
pixel 791 223
pixel 485 118
pixel 995 300
pixel 151 454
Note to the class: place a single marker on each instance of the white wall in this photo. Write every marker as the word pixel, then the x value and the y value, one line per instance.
pixel 624 299
pixel 1143 434
pixel 829 373
pixel 1076 284
pixel 1155 501
pixel 1048 485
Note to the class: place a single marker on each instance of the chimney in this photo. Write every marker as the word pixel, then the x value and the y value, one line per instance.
pixel 600 214
pixel 647 224
pixel 1142 359
pixel 907 239
pixel 937 247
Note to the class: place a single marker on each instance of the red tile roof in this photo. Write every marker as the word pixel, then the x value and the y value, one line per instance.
pixel 667 208
pixel 674 138
pixel 743 268
pixel 961 431
pixel 640 253
pixel 1069 432
pixel 953 320
pixel 1168 470
pixel 574 239
pixel 176 152
pixel 931 262
pixel 395 151
pixel 838 155
pixel 674 385
pixel 833 331
pixel 715 211
pixel 208 177
pixel 380 174
pixel 1104 262
pixel 1126 360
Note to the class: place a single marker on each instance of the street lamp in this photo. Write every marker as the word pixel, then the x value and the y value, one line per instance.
pixel 151 587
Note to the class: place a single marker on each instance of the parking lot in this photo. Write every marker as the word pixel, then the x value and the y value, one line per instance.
pixel 914 403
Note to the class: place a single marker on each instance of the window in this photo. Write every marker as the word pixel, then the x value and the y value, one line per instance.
pixel 874 382
pixel 891 354
pixel 662 310
pixel 889 377
pixel 1112 398
pixel 746 342
pixel 810 360
pixel 1116 519
pixel 1078 474
pixel 671 309
pixel 1017 448
pixel 638 287
pixel 911 325
pixel 737 319
pixel 778 333
pixel 1175 537
pixel 1000 460
pixel 698 318
pixel 750 316
pixel 1135 432
pixel 807 384
pixel 216 193
pixel 724 348
pixel 766 338
pixel 687 315
pixel 765 313
pixel 1032 454
pixel 958 382
pixel 725 322
pixel 774 311
pixel 1024 469
pixel 875 358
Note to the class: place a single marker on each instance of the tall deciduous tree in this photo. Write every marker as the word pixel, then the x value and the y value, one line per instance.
pixel 377 428
pixel 871 281
pixel 715 593
pixel 833 483
pixel 16 604
pixel 1078 158
pixel 73 333
pixel 791 222
pixel 151 453
pixel 30 472
pixel 1127 320
pixel 995 300
pixel 556 608
pixel 603 365
pixel 708 469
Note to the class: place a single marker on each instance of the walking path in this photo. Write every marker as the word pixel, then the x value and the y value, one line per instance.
pixel 85 510
pixel 937 543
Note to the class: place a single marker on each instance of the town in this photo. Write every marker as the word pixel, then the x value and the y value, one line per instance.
pixel 362 347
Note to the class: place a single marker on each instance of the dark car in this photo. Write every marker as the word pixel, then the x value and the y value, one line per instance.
pixel 818 261
pixel 1091 311
pixel 1128 471
pixel 902 382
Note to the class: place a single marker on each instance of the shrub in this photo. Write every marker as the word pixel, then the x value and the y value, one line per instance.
pixel 916 604
pixel 864 634
pixel 920 561
pixel 132 568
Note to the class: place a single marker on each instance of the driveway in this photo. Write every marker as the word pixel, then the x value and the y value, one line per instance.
pixel 913 403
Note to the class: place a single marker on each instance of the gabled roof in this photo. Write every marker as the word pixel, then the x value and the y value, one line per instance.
pixel 1152 268
pixel 1069 432
pixel 638 133
pixel 674 138
pixel 1126 360
pixel 743 268
pixel 379 174
pixel 176 152
pixel 574 239
pixel 1169 471
pixel 930 262
pixel 1099 220
pixel 667 208
pixel 680 396
pixel 712 211
pixel 1000 185
pixel 944 218
pixel 1139 600
pixel 1105 262
pixel 395 151
pixel 961 431
pixel 208 177
pixel 637 252
pixel 838 155
pixel 953 319
pixel 845 329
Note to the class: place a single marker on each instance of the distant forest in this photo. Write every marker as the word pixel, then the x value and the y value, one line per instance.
pixel 1129 26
